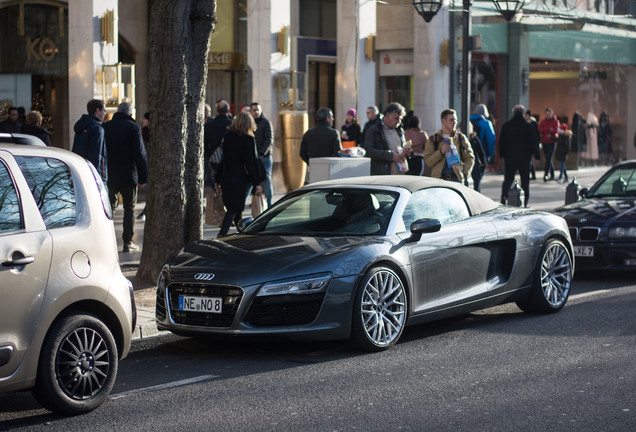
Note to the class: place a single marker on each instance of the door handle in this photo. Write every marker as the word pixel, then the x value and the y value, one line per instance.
pixel 18 262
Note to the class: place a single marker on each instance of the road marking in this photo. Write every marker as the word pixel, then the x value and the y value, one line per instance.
pixel 163 386
pixel 611 292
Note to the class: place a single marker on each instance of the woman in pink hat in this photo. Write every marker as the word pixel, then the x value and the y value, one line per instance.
pixel 351 130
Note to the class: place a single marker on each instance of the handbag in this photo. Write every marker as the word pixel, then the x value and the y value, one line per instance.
pixel 259 204
pixel 217 156
pixel 214 209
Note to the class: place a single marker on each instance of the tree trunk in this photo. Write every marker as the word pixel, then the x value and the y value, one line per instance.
pixel 179 35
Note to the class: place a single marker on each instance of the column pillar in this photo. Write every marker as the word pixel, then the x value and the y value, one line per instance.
pixel 431 78
pixel 87 53
pixel 355 74
pixel 518 63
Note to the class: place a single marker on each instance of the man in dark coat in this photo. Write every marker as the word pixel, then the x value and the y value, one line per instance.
pixel 89 137
pixel 384 141
pixel 11 125
pixel 213 132
pixel 33 126
pixel 264 147
pixel 127 166
pixel 517 144
pixel 373 118
pixel 322 140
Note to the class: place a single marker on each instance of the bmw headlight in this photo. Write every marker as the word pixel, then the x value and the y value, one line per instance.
pixel 310 284
pixel 622 232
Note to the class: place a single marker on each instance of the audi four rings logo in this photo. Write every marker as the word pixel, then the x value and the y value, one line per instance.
pixel 204 276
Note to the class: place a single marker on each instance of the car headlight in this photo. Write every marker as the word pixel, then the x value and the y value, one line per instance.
pixel 311 284
pixel 622 232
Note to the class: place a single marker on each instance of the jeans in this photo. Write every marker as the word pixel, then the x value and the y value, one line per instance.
pixel 548 151
pixel 129 200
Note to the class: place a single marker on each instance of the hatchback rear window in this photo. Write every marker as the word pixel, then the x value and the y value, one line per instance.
pixel 51 184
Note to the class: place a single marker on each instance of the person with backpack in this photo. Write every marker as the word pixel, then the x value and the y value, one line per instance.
pixel 485 131
pixel 448 152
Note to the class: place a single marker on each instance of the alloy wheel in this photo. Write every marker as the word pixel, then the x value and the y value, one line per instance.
pixel 383 308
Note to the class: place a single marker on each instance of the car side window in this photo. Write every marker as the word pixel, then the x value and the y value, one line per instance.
pixel 440 203
pixel 51 185
pixel 10 212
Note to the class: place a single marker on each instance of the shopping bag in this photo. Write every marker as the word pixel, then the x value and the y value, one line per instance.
pixel 259 204
pixel 214 210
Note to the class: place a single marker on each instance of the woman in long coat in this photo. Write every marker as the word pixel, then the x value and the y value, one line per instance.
pixel 238 169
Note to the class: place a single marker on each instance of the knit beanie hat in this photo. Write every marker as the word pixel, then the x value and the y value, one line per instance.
pixel 351 112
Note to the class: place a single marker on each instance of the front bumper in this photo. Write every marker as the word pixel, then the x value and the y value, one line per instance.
pixel 322 316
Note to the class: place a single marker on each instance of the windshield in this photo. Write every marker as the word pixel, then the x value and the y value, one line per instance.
pixel 327 212
pixel 618 182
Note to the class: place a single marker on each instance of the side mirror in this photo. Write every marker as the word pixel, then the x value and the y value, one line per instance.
pixel 243 223
pixel 422 226
pixel 583 192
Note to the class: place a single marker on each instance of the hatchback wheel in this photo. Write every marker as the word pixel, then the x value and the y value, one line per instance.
pixel 552 279
pixel 380 310
pixel 78 365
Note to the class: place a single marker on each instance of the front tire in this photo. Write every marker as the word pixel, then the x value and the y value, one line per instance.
pixel 552 279
pixel 380 310
pixel 78 365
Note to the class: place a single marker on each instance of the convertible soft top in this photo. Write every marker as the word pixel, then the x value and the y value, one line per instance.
pixel 477 202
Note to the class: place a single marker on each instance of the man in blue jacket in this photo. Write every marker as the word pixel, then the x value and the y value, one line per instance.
pixel 485 131
pixel 89 137
pixel 127 166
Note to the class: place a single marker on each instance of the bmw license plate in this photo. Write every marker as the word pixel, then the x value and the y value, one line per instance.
pixel 584 251
pixel 201 304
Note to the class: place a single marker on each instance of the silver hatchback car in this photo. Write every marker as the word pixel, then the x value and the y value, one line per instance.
pixel 67 312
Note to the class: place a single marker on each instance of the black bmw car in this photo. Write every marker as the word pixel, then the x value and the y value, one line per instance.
pixel 603 224
pixel 364 257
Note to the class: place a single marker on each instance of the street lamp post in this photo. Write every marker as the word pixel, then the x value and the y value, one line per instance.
pixel 429 8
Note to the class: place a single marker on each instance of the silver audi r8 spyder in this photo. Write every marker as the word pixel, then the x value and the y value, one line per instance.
pixel 364 257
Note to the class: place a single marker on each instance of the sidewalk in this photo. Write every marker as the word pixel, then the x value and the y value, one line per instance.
pixel 543 196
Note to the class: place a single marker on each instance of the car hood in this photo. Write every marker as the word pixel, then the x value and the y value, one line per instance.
pixel 603 210
pixel 247 259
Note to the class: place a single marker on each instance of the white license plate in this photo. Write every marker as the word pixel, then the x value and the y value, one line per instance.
pixel 584 251
pixel 201 304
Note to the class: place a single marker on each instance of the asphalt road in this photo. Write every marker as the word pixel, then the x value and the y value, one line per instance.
pixel 494 370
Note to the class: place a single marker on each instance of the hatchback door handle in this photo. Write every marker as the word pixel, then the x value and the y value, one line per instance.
pixel 18 262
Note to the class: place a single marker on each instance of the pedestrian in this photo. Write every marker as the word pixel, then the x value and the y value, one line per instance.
pixel 385 144
pixel 485 130
pixel 605 139
pixel 322 140
pixel 480 157
pixel 33 126
pixel 11 124
pixel 517 144
pixel 562 149
pixel 535 128
pixel 417 137
pixel 264 147
pixel 238 168
pixel 207 113
pixel 213 132
pixel 373 117
pixel 89 137
pixel 127 167
pixel 448 152
pixel 350 130
pixel 549 130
